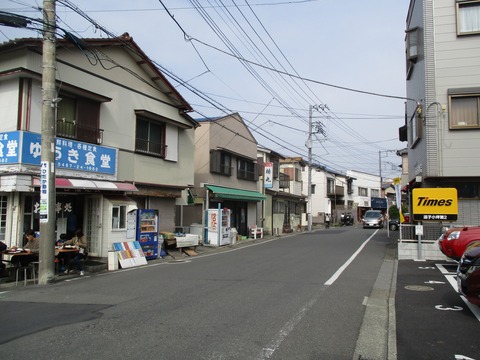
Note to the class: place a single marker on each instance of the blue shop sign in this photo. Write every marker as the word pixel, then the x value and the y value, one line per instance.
pixel 69 154
pixel 9 147
pixel 378 203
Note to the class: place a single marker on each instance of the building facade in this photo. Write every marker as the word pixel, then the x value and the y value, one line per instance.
pixel 443 114
pixel 124 139
pixel 226 173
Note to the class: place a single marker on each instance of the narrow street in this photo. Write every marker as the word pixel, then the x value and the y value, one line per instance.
pixel 296 297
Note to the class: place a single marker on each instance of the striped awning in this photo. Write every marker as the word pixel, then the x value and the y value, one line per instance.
pixel 83 184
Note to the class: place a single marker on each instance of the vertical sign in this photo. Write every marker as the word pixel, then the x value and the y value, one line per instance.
pixel 268 176
pixel 44 167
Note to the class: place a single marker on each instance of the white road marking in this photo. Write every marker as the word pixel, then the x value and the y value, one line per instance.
pixel 344 266
pixel 268 351
pixel 452 280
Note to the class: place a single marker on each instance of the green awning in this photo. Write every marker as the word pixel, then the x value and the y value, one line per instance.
pixel 235 194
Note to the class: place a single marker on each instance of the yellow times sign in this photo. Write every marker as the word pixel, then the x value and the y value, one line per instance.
pixel 434 204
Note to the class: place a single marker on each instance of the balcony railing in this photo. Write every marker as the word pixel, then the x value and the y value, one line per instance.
pixel 73 130
pixel 151 148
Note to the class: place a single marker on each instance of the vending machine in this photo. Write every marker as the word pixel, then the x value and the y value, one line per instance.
pixel 218 227
pixel 142 226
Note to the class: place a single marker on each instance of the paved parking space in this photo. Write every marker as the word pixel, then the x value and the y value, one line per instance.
pixel 433 321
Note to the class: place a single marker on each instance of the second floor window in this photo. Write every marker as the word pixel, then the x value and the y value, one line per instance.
pixel 79 119
pixel 362 191
pixel 330 186
pixel 468 17
pixel 246 169
pixel 375 193
pixel 464 111
pixel 220 163
pixel 150 137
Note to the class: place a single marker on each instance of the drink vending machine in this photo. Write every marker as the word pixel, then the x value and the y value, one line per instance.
pixel 218 227
pixel 142 225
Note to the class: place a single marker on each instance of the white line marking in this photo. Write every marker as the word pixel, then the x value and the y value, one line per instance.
pixel 452 279
pixel 268 351
pixel 344 266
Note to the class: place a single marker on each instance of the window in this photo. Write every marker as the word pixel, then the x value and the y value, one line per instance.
pixel 415 127
pixel 464 111
pixel 330 186
pixel 412 44
pixel 220 163
pixel 119 216
pixel 150 137
pixel 79 119
pixel 278 207
pixel 468 17
pixel 375 193
pixel 246 169
pixel 362 191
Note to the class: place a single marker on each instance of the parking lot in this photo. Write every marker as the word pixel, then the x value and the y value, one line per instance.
pixel 433 321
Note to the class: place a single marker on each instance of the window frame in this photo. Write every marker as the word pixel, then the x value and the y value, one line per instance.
pixel 246 169
pixel 464 4
pixel 220 162
pixel 463 94
pixel 122 216
pixel 362 191
pixel 139 147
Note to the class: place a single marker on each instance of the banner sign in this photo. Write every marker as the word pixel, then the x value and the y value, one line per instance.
pixel 434 204
pixel 44 168
pixel 268 175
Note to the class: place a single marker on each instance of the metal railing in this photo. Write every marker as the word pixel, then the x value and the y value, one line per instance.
pixel 431 232
pixel 74 130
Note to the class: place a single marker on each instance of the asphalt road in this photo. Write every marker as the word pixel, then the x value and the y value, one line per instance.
pixel 298 297
pixel 433 320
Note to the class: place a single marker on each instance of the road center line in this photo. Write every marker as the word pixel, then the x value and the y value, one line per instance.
pixel 344 266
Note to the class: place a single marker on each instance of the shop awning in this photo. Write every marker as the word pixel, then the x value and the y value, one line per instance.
pixel 83 184
pixel 235 194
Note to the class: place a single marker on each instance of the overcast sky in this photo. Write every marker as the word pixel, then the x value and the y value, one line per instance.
pixel 270 61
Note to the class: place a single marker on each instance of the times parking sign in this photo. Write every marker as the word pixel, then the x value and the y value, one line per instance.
pixel 435 204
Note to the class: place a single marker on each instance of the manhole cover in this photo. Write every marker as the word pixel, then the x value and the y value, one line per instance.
pixel 418 288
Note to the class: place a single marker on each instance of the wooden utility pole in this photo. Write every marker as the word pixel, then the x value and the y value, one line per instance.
pixel 47 167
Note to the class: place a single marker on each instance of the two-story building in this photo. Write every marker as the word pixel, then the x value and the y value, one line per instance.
pixel 443 116
pixel 226 173
pixel 124 139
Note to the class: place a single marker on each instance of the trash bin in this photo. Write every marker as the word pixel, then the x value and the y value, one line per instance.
pixel 161 248
pixel 112 260
pixel 233 236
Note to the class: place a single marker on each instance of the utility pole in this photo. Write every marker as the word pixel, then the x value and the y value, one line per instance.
pixel 309 146
pixel 47 167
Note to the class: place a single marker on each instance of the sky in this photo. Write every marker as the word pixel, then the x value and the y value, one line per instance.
pixel 277 63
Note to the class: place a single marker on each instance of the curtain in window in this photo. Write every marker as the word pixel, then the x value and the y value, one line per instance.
pixel 469 17
pixel 464 111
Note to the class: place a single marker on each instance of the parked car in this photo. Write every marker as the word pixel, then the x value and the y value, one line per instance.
pixel 468 274
pixel 394 224
pixel 373 219
pixel 454 241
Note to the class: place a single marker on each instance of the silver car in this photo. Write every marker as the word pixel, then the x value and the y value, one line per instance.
pixel 373 219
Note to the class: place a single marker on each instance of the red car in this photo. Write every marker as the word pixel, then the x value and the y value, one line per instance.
pixel 454 241
pixel 468 274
